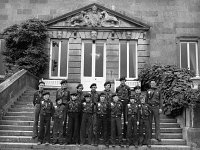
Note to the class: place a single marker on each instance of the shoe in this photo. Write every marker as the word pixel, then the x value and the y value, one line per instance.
pixel 127 145
pixel 39 143
pixel 107 145
pixel 159 140
pixel 95 144
pixel 113 145
pixel 53 143
pixel 47 143
pixel 35 136
pixel 136 146
pixel 121 145
pixel 148 145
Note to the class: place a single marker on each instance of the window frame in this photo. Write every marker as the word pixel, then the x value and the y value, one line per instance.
pixel 128 52
pixel 187 41
pixel 59 57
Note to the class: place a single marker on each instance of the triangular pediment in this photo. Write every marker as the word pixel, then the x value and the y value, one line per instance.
pixel 96 16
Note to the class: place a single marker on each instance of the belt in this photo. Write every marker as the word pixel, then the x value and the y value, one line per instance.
pixel 153 105
pixel 101 115
pixel 116 116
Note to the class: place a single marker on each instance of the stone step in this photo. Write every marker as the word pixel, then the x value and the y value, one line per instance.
pixel 29 128
pixel 28 139
pixel 22 106
pixel 30 123
pixel 20 118
pixel 34 146
pixel 29 98
pixel 15 133
pixel 23 103
pixel 21 109
pixel 29 133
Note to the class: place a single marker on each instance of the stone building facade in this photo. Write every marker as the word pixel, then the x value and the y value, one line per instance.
pixel 116 37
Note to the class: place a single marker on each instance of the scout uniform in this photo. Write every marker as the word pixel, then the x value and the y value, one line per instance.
pixel 108 99
pixel 132 117
pixel 116 109
pixel 46 112
pixel 102 109
pixel 64 94
pixel 36 102
pixel 155 103
pixel 58 118
pixel 73 109
pixel 144 124
pixel 124 93
pixel 86 124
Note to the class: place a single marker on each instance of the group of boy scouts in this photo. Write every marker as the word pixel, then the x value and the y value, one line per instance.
pixel 86 118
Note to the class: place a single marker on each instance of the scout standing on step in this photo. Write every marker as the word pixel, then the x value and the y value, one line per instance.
pixel 124 93
pixel 46 112
pixel 58 118
pixel 155 103
pixel 36 102
pixel 81 99
pixel 116 109
pixel 73 110
pixel 132 121
pixel 63 93
pixel 108 99
pixel 138 96
pixel 144 123
pixel 102 109
pixel 86 124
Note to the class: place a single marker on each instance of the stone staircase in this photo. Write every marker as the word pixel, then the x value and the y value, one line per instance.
pixel 16 130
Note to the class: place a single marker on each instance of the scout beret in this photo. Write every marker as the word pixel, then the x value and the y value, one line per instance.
pixel 93 84
pixel 41 82
pixel 132 97
pixel 122 78
pixel 79 85
pixel 102 94
pixel 137 87
pixel 57 99
pixel 107 82
pixel 63 81
pixel 73 94
pixel 87 95
pixel 115 94
pixel 46 93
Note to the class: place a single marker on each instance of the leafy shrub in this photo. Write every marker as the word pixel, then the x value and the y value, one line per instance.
pixel 175 85
pixel 25 46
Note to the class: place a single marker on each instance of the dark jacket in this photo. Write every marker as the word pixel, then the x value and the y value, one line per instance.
pixel 88 107
pixel 59 112
pixel 154 97
pixel 46 107
pixel 123 92
pixel 64 94
pixel 73 106
pixel 116 109
pixel 37 97
pixel 132 110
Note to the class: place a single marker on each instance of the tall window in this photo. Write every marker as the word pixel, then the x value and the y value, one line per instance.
pixel 128 59
pixel 59 59
pixel 189 56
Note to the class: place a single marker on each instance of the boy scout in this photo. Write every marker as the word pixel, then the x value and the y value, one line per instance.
pixel 155 103
pixel 94 94
pixel 73 109
pixel 36 102
pixel 144 123
pixel 124 93
pixel 102 109
pixel 63 93
pixel 46 112
pixel 116 114
pixel 86 124
pixel 58 118
pixel 132 121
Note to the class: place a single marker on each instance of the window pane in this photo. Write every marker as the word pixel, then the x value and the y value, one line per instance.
pixel 192 49
pixel 55 50
pixel 63 60
pixel 87 59
pixel 123 59
pixel 99 60
pixel 132 60
pixel 184 55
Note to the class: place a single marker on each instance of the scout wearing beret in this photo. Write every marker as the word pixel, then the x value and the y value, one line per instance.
pixel 73 110
pixel 36 102
pixel 63 93
pixel 124 93
pixel 46 112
